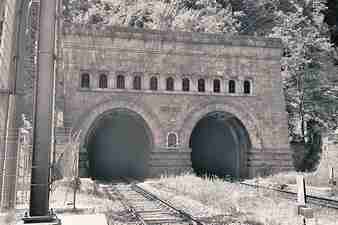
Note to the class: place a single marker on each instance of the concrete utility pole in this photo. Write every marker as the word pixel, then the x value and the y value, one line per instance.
pixel 43 111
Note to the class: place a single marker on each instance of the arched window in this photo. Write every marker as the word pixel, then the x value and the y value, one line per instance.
pixel 247 87
pixel 137 83
pixel 172 140
pixel 103 81
pixel 170 84
pixel 217 85
pixel 85 80
pixel 201 85
pixel 185 84
pixel 153 83
pixel 120 82
pixel 232 86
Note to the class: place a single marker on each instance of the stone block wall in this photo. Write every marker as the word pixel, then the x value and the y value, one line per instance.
pixel 129 52
pixel 7 42
pixel 8 10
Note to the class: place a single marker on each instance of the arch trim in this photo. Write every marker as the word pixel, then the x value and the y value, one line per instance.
pixel 249 121
pixel 89 117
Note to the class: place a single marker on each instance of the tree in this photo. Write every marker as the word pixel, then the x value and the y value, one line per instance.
pixel 186 15
pixel 308 72
pixel 69 156
pixel 331 18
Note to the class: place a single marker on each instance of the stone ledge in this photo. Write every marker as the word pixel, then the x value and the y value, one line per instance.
pixel 168 170
pixel 170 163
pixel 224 55
pixel 170 150
pixel 169 36
pixel 277 151
pixel 169 156
pixel 4 91
pixel 271 163
pixel 164 92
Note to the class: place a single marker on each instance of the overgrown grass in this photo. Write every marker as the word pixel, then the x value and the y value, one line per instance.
pixel 7 218
pixel 88 199
pixel 312 179
pixel 247 204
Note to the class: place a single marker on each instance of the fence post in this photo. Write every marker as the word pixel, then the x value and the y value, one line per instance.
pixel 18 164
pixel 302 209
pixel 9 165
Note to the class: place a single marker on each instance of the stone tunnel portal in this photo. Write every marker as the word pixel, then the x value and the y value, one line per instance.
pixel 219 143
pixel 119 145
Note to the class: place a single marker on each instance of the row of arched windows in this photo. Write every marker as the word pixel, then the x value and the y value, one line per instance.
pixel 170 84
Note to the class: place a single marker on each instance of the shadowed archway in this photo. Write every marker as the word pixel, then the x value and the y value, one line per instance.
pixel 119 144
pixel 220 143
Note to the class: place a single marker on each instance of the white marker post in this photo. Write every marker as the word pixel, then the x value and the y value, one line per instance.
pixel 301 192
pixel 302 210
pixel 331 178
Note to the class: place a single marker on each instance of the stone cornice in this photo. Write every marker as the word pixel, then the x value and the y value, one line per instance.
pixel 4 91
pixel 224 55
pixel 221 95
pixel 169 36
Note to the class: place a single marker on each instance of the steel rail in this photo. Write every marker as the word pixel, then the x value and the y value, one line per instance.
pixel 151 196
pixel 126 204
pixel 311 199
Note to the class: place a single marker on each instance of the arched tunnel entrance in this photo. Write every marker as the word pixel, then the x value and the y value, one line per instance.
pixel 219 143
pixel 119 145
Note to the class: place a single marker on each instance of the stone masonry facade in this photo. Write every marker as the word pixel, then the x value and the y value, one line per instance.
pixel 96 74
pixel 8 133
pixel 7 42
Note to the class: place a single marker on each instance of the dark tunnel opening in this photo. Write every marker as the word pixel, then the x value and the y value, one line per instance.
pixel 219 143
pixel 119 146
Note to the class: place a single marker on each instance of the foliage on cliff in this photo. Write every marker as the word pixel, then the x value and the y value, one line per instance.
pixel 331 18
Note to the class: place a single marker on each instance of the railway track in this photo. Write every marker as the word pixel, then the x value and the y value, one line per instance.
pixel 144 207
pixel 311 199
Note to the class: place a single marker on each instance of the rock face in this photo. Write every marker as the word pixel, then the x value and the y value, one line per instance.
pixel 167 82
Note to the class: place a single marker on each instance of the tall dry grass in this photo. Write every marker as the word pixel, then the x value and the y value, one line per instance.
pixel 317 183
pixel 312 179
pixel 247 204
pixel 8 218
pixel 89 199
